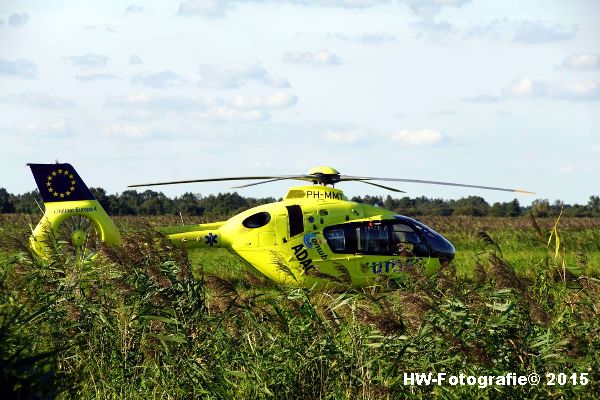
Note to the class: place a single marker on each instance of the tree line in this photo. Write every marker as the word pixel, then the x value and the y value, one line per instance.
pixel 150 202
pixel 477 206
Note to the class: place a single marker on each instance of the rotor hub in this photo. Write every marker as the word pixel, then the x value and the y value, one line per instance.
pixel 324 175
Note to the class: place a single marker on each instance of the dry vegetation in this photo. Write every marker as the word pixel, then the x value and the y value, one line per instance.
pixel 147 320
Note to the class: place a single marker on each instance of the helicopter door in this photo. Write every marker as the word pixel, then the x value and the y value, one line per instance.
pixel 281 229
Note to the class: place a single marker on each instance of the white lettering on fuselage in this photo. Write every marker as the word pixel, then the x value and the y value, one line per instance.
pixel 320 250
pixel 316 194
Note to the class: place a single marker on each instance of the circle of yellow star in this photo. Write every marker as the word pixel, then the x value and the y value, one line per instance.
pixel 70 181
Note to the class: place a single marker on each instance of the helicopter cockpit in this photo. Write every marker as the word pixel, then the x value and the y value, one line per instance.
pixel 401 236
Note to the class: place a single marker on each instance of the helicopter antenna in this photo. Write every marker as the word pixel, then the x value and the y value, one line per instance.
pixel 38 204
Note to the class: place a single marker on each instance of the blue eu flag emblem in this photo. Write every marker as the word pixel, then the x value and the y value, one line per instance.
pixel 59 182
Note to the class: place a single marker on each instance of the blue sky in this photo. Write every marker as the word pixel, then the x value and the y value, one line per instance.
pixel 453 90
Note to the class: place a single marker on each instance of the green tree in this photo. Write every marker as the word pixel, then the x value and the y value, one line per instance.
pixel 514 208
pixel 594 206
pixel 188 204
pixel 27 203
pixel 152 206
pixel 472 205
pixel 128 203
pixel 224 204
pixel 540 208
pixel 6 204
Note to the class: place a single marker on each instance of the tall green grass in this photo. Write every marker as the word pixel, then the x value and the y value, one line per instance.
pixel 146 320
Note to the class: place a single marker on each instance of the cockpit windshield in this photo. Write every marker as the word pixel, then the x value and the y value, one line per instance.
pixel 439 246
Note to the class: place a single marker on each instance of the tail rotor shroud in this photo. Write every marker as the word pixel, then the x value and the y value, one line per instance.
pixel 77 236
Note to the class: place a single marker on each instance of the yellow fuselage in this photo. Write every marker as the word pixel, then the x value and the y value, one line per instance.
pixel 290 248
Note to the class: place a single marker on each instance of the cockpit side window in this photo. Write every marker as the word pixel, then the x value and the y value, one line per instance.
pixel 374 239
pixel 336 239
pixel 296 220
pixel 377 238
pixel 257 220
pixel 404 234
pixel 341 238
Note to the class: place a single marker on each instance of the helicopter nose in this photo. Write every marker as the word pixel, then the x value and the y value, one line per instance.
pixel 441 247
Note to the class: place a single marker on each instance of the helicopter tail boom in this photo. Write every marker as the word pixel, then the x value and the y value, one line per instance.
pixel 194 236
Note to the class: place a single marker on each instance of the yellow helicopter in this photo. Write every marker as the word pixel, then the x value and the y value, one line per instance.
pixel 315 236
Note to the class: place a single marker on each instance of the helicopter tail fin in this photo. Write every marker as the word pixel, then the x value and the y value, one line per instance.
pixel 72 215
pixel 60 183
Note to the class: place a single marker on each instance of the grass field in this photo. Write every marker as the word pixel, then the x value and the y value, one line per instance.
pixel 148 320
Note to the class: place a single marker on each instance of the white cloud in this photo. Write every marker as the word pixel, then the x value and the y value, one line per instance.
pixel 534 32
pixel 36 100
pixel 207 8
pixel 18 20
pixel 582 61
pixel 234 75
pixel 105 28
pixel 523 87
pixel 596 148
pixel 142 101
pixel 19 67
pixel 134 59
pixel 278 81
pixel 229 114
pixel 345 3
pixel 89 60
pixel 95 77
pixel 569 90
pixel 218 8
pixel 276 101
pixel 523 31
pixel 365 38
pixel 573 90
pixel 139 115
pixel 494 29
pixel 158 80
pixel 240 108
pixel 567 169
pixel 322 57
pixel 583 90
pixel 482 98
pixel 134 9
pixel 429 8
pixel 423 137
pixel 126 131
pixel 427 28
pixel 353 136
pixel 57 129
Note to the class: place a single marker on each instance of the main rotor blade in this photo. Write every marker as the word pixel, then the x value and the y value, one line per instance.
pixel 261 182
pixel 381 186
pixel 236 178
pixel 364 178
